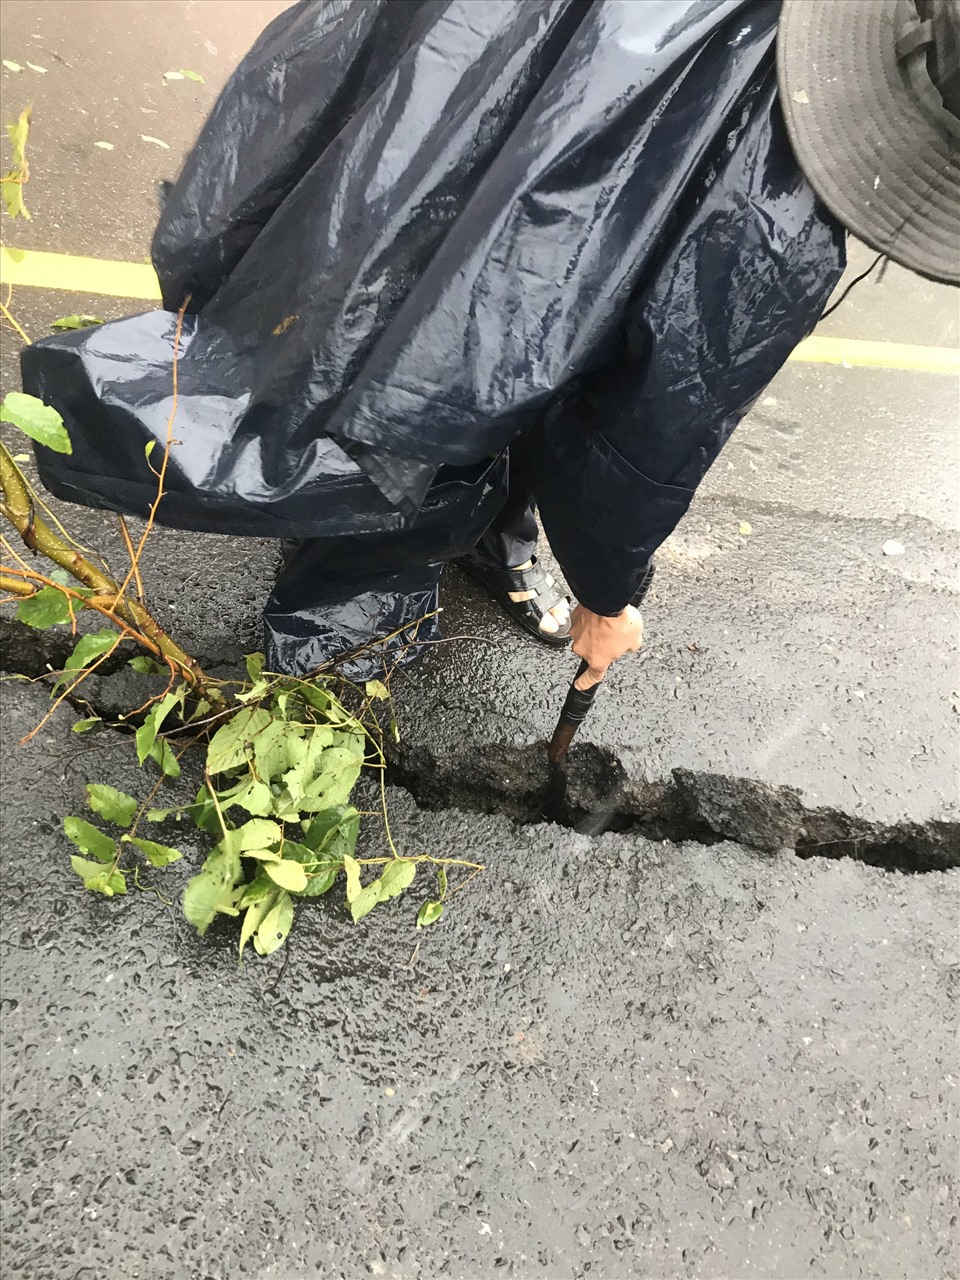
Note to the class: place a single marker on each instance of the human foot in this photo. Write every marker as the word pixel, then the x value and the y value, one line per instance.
pixel 529 595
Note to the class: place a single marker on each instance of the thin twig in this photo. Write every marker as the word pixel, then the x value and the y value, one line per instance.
pixel 146 804
pixel 422 857
pixel 84 673
pixel 149 888
pixel 166 454
pixel 463 883
pixel 86 602
pixel 11 550
pixel 125 534
pixel 12 320
pixel 213 796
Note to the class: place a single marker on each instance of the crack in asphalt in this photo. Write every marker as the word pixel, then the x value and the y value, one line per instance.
pixel 596 795
pixel 592 794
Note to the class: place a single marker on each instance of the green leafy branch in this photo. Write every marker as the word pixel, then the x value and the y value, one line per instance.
pixel 278 777
pixel 282 755
pixel 16 178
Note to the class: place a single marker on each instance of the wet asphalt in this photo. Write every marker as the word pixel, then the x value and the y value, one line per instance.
pixel 614 1057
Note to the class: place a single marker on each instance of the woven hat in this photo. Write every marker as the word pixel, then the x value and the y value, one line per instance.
pixel 871 94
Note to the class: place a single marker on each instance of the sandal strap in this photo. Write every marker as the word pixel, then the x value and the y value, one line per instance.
pixel 543 589
pixel 541 586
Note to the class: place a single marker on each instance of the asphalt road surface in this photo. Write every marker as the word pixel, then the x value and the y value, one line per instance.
pixel 697 1048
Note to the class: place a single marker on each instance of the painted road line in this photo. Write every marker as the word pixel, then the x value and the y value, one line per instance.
pixel 67 273
pixel 63 271
pixel 859 353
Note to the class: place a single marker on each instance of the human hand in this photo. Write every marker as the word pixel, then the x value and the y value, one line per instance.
pixel 600 640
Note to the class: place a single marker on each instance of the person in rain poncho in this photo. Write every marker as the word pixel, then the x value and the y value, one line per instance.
pixel 447 262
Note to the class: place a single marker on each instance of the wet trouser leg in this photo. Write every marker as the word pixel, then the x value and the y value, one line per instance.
pixel 335 595
pixel 511 537
pixel 374 591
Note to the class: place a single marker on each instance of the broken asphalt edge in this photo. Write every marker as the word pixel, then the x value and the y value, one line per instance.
pixel 513 782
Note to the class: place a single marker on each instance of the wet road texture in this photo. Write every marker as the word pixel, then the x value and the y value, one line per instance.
pixel 712 1043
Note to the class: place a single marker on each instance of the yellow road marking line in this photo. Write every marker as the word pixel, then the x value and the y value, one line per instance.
pixel 68 273
pixel 78 275
pixel 859 353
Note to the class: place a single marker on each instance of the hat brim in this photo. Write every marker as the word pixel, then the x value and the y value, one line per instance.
pixel 883 161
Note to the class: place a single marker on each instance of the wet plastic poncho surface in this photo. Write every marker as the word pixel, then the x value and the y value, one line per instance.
pixel 412 229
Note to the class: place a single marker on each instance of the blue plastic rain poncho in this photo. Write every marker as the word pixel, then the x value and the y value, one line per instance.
pixel 414 230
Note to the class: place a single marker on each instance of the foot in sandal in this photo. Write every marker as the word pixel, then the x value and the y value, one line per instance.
pixel 529 595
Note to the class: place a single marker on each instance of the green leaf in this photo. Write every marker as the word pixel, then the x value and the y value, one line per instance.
pixel 255 797
pixel 228 746
pixel 162 753
pixel 256 911
pixel 97 878
pixel 429 913
pixel 352 739
pixel 147 733
pixel 159 815
pixel 377 690
pixel 200 898
pixel 397 876
pixel 442 882
pixel 352 868
pixel 75 322
pixel 18 134
pixel 288 875
pixel 254 664
pixel 90 839
pixel 277 749
pixel 256 693
pixel 204 813
pixel 275 926
pixel 11 192
pixel 37 420
pixel 306 751
pixel 146 666
pixel 87 649
pixel 13 182
pixel 341 769
pixel 232 841
pixel 192 75
pixel 209 891
pixel 148 448
pixel 82 726
pixel 260 887
pixel 50 607
pixel 321 881
pixel 256 834
pixel 158 855
pixel 116 806
pixel 365 901
pixel 321 868
pixel 315 695
pixel 334 831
